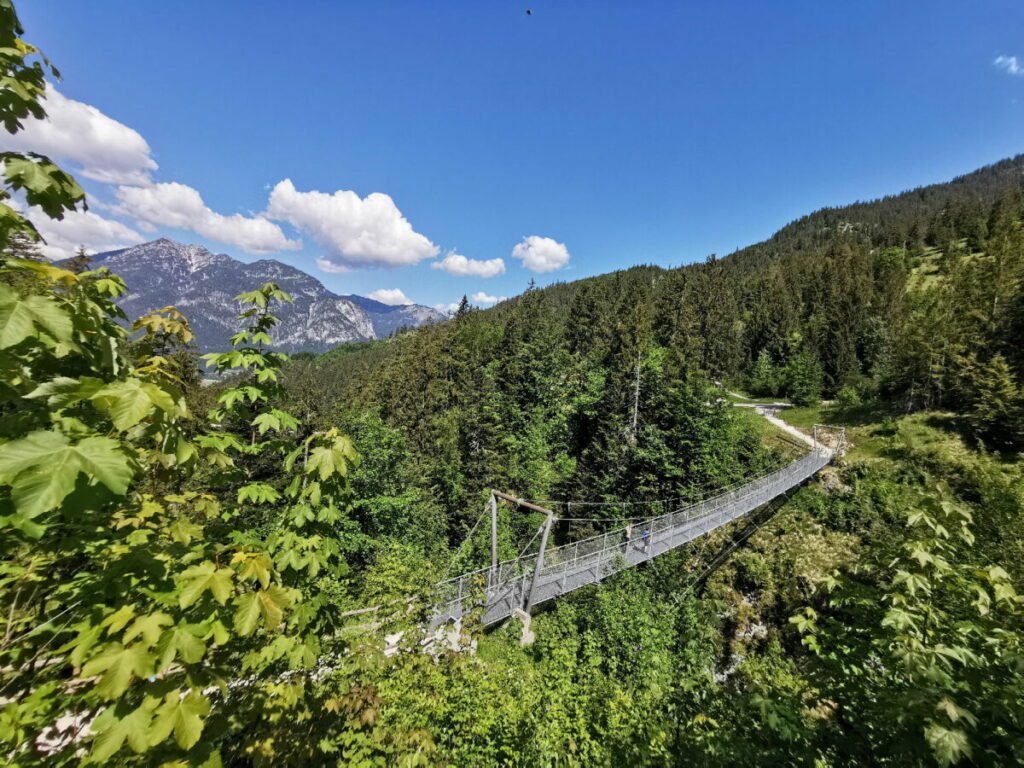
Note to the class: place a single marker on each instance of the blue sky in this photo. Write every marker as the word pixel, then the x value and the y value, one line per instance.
pixel 613 133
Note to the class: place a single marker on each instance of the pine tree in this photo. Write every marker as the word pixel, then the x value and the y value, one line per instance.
pixel 80 262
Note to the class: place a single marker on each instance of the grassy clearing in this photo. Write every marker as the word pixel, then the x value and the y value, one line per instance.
pixel 925 270
pixel 869 427
pixel 874 431
pixel 735 395
pixel 877 432
pixel 941 436
pixel 770 435
pixel 755 400
pixel 804 418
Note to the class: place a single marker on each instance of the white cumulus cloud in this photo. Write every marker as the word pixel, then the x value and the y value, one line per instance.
pixel 456 264
pixel 391 296
pixel 330 266
pixel 1010 65
pixel 353 232
pixel 482 298
pixel 541 254
pixel 178 205
pixel 356 232
pixel 447 309
pixel 103 149
pixel 80 228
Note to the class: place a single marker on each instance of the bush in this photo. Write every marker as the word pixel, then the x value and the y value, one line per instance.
pixel 848 398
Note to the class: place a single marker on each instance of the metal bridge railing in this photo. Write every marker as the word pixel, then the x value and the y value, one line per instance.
pixel 502 588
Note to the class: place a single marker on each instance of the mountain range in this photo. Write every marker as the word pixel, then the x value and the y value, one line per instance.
pixel 203 285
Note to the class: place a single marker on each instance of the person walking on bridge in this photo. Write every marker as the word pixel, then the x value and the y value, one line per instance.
pixel 646 538
pixel 629 535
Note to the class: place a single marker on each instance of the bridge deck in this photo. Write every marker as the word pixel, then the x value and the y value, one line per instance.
pixel 502 589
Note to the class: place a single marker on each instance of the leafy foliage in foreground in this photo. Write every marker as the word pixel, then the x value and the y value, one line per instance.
pixel 177 589
pixel 927 644
pixel 22 87
pixel 135 600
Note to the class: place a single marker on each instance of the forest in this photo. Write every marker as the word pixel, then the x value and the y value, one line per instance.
pixel 201 575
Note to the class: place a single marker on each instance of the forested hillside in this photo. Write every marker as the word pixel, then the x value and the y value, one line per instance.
pixel 241 574
pixel 915 300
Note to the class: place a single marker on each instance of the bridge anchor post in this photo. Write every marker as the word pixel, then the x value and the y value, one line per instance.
pixel 528 635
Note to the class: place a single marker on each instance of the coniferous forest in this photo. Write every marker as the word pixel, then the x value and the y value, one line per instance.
pixel 241 574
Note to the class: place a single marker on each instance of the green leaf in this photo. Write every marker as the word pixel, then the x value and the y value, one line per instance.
pixel 21 523
pixel 184 451
pixel 118 665
pixel 125 402
pixel 950 745
pixel 248 614
pixel 183 643
pixel 252 297
pixel 85 641
pixel 63 391
pixel 119 619
pixel 955 712
pixel 288 421
pixel 202 577
pixel 102 458
pixel 43 183
pixel 19 317
pixel 11 221
pixel 265 422
pixel 258 493
pixel 254 566
pixel 182 715
pixel 302 514
pixel 149 628
pixel 160 397
pixel 273 601
pixel 44 487
pixel 114 731
pixel 268 604
pixel 42 468
pixel 184 530
pixel 332 459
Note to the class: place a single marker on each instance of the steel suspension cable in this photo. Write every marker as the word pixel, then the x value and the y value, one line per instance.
pixel 671 499
pixel 458 552
pixel 532 538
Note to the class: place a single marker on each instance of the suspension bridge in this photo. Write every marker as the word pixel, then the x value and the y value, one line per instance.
pixel 512 587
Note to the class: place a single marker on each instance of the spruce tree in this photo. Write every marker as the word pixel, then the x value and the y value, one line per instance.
pixel 995 411
pixel 80 262
pixel 764 379
pixel 804 378
pixel 22 245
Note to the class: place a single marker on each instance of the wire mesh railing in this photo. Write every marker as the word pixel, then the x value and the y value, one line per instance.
pixel 502 588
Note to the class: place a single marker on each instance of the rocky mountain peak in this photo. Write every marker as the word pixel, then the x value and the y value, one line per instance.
pixel 166 252
pixel 203 285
